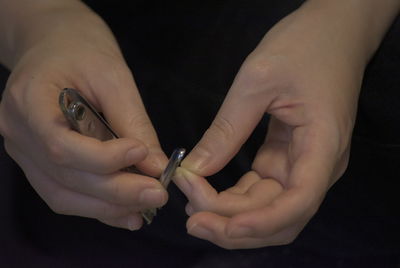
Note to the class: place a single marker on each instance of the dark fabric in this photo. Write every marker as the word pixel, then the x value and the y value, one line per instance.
pixel 184 57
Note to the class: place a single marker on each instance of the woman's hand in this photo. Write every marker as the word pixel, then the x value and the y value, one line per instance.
pixel 66 45
pixel 306 73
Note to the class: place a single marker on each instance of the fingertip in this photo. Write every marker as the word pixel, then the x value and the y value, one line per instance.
pixel 153 197
pixel 196 188
pixel 134 222
pixel 197 161
pixel 202 218
pixel 222 140
pixel 200 232
pixel 160 160
pixel 194 220
pixel 206 225
pixel 195 227
pixel 154 163
pixel 130 222
pixel 183 180
pixel 189 209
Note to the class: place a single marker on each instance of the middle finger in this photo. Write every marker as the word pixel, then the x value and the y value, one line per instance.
pixel 120 188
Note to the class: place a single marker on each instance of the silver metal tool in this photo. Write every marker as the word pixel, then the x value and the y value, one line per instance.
pixel 84 118
pixel 166 177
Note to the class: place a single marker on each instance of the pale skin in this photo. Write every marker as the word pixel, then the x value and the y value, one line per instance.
pixel 57 44
pixel 306 73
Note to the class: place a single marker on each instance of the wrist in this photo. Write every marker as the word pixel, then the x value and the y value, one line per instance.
pixel 360 24
pixel 57 23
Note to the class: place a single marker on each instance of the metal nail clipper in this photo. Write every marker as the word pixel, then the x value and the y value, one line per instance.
pixel 84 118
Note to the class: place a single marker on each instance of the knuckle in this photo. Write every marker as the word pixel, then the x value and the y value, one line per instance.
pixel 56 152
pixel 258 78
pixel 139 121
pixel 257 70
pixel 116 194
pixel 221 128
pixel 115 73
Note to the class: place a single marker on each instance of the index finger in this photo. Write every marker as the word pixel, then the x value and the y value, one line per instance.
pixel 250 192
pixel 119 99
pixel 70 149
pixel 242 109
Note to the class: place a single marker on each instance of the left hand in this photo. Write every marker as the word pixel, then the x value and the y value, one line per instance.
pixel 308 80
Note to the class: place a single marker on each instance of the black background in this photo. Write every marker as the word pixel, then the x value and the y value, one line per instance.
pixel 184 57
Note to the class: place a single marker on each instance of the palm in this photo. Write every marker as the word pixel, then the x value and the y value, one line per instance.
pixel 273 158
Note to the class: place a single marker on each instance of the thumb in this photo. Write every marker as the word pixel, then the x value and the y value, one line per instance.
pixel 121 104
pixel 235 121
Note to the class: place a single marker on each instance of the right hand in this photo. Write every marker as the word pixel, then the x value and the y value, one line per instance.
pixel 75 174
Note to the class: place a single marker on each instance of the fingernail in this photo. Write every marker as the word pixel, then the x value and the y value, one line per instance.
pixel 239 232
pixel 152 197
pixel 200 232
pixel 189 210
pixel 157 158
pixel 183 180
pixel 197 160
pixel 134 155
